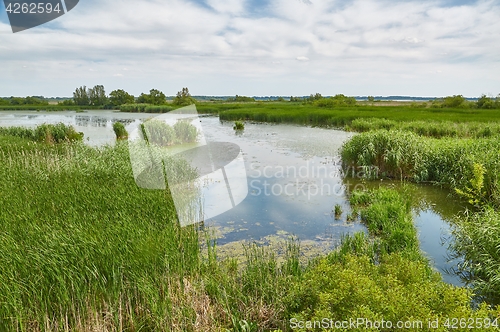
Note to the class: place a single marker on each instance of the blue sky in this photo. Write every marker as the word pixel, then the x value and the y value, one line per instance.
pixel 259 47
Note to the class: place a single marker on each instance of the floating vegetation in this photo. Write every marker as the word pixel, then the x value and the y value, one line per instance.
pixel 238 125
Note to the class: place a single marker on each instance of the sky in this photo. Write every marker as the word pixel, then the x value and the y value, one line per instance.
pixel 259 48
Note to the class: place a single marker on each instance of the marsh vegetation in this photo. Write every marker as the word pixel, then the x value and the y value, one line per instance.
pixel 83 248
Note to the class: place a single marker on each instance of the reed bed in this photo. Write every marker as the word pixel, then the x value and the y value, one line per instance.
pixel 84 248
pixel 447 161
pixel 436 129
pixel 145 108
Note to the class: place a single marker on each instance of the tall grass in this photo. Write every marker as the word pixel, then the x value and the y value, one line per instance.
pixel 185 132
pixel 84 248
pixel 477 241
pixel 47 133
pixel 428 128
pixel 145 108
pixel 447 161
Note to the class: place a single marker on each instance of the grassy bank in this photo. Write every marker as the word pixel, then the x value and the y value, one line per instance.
pixel 378 277
pixel 470 167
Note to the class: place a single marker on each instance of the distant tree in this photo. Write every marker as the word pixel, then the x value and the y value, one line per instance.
pixel 120 97
pixel 16 100
pixel 35 100
pixel 67 102
pixel 144 99
pixel 455 101
pixel 81 97
pixel 183 98
pixel 485 102
pixel 295 99
pixel 4 102
pixel 315 97
pixel 97 96
pixel 280 99
pixel 154 97
pixel 240 99
pixel 157 97
pixel 371 99
pixel 336 101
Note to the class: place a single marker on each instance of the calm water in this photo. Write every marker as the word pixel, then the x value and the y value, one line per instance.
pixel 294 181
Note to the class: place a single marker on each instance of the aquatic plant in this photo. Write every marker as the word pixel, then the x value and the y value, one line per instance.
pixel 238 125
pixel 337 211
pixel 120 131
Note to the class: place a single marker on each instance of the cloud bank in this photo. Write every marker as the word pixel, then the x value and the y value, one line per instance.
pixel 256 47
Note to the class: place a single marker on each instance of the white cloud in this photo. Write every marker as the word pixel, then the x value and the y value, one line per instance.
pixel 362 46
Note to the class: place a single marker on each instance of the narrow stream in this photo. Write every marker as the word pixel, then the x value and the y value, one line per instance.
pixel 294 181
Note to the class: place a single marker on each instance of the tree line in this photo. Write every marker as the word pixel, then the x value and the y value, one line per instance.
pixel 97 97
pixel 30 100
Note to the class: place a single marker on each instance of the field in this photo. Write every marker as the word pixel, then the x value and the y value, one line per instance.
pixel 84 249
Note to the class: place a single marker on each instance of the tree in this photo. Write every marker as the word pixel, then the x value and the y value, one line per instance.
pixel 154 97
pixel 157 97
pixel 485 102
pixel 183 98
pixel 81 97
pixel 16 100
pixel 371 99
pixel 32 100
pixel 120 97
pixel 97 96
pixel 144 99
